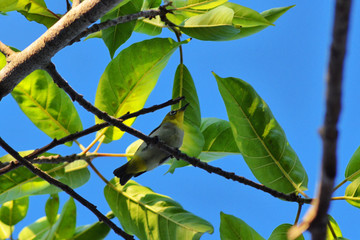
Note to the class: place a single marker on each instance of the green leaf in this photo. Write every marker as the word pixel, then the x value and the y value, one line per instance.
pixel 215 25
pixel 335 228
pixel 5 230
pixel 129 79
pixel 193 139
pixel 198 4
pixel 352 193
pixel 36 10
pixel 234 228
pixel 95 231
pixel 139 209
pixel 21 182
pixel 271 15
pixel 204 4
pixel 280 233
pixel 47 106
pixel 150 27
pixel 33 10
pixel 97 34
pixel 115 36
pixel 219 139
pixel 52 208
pixel 353 168
pixel 12 5
pixel 246 17
pixel 37 230
pixel 260 138
pixel 14 211
pixel 148 4
pixel 64 228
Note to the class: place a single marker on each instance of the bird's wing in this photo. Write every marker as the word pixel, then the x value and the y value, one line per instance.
pixel 153 131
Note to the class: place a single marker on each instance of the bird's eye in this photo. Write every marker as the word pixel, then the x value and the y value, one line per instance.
pixel 172 113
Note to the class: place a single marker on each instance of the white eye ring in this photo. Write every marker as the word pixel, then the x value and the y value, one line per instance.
pixel 172 113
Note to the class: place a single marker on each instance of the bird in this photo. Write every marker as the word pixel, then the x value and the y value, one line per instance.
pixel 148 156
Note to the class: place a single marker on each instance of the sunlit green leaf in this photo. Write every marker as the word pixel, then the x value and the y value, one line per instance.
pixel 260 138
pixel 5 230
pixel 150 27
pixel 193 139
pixel 97 34
pixel 335 229
pixel 198 4
pixel 115 36
pixel 219 139
pixel 353 168
pixel 52 208
pixel 246 17
pixel 352 193
pixel 271 15
pixel 280 233
pixel 129 79
pixel 234 228
pixel 46 105
pixel 215 25
pixel 64 228
pixel 36 10
pixel 95 231
pixel 37 230
pixel 139 209
pixel 14 211
pixel 33 10
pixel 21 182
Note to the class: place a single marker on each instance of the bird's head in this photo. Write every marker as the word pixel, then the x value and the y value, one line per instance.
pixel 176 116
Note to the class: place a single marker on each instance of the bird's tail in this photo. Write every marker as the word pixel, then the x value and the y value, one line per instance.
pixel 121 173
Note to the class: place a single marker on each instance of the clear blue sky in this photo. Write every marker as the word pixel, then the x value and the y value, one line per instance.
pixel 286 65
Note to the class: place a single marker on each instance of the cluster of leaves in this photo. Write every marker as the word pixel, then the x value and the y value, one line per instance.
pixel 125 85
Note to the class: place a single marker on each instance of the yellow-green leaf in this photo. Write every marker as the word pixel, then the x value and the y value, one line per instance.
pixel 139 209
pixel 129 79
pixel 260 138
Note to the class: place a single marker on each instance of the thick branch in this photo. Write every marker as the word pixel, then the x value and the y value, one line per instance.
pixel 333 106
pixel 40 52
pixel 172 151
pixel 65 188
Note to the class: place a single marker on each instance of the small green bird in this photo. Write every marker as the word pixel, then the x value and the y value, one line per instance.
pixel 148 157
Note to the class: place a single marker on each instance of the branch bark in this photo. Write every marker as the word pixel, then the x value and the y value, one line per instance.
pixel 329 131
pixel 40 52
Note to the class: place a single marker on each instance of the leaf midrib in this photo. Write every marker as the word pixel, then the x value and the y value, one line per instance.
pixel 264 145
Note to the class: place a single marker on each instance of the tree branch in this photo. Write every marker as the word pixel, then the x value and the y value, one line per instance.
pixel 65 188
pixel 329 131
pixel 40 52
pixel 6 50
pixel 149 140
pixel 112 22
pixel 7 167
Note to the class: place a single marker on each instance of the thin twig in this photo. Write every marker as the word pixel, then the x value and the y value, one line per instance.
pixel 100 126
pixel 65 188
pixel 7 167
pixel 329 132
pixel 172 151
pixel 298 213
pixel 5 49
pixel 112 22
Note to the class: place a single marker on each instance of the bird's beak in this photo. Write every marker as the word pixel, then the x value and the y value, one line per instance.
pixel 184 107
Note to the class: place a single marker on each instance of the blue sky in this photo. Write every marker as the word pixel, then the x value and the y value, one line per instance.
pixel 286 65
